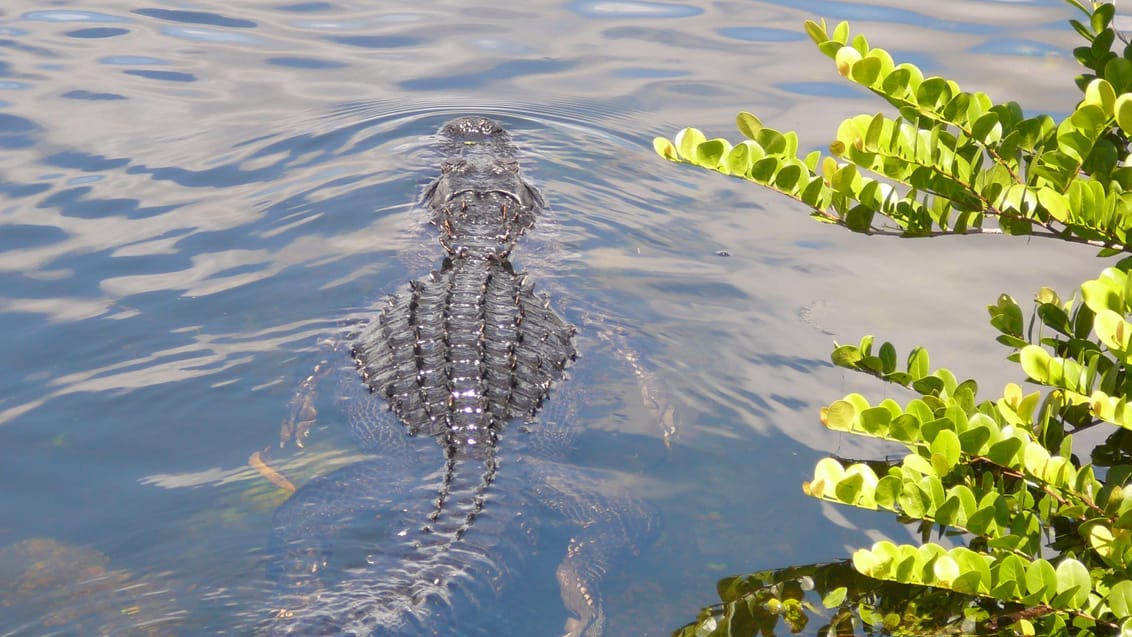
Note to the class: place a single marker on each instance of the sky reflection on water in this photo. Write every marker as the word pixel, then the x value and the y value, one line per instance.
pixel 190 198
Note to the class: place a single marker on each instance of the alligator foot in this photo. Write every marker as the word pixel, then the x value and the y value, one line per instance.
pixel 656 399
pixel 654 394
pixel 297 426
pixel 301 416
pixel 585 603
pixel 612 525
pixel 302 412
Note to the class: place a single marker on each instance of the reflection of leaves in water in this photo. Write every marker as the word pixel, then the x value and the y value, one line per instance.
pixel 46 584
pixel 847 603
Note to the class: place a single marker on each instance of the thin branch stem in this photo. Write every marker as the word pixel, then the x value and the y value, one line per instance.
pixel 1045 234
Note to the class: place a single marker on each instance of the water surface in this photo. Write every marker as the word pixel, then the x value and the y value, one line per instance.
pixel 193 194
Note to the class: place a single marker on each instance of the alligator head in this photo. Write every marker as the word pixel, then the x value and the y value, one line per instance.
pixel 481 203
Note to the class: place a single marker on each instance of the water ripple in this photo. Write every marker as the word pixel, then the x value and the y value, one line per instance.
pixel 132 60
pixel 375 41
pixel 615 10
pixel 854 11
pixel 305 63
pixel 1016 46
pixel 197 17
pixel 165 76
pixel 192 196
pixel 93 96
pixel 307 7
pixel 72 16
pixel 207 35
pixel 97 32
pixel 761 34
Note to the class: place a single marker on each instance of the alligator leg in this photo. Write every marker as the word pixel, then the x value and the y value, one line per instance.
pixel 612 525
pixel 301 416
pixel 654 393
pixel 301 412
pixel 313 515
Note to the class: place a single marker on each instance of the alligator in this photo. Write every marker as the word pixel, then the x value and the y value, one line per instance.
pixel 458 389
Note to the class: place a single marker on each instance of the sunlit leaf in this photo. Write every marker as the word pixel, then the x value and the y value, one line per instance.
pixel 1041 580
pixel 1101 93
pixel 1113 330
pixel 946 570
pixel 665 149
pixel 687 140
pixel 846 57
pixel 816 31
pixel 835 597
pixel 1120 599
pixel 749 125
pixel 1118 72
pixel 945 450
pixel 1073 577
pixel 865 71
pixel 1005 452
pixel 1036 363
pixel 710 153
pixel 1122 108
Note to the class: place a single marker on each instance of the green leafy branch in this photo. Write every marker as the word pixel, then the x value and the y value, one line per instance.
pixel 951 159
pixel 985 472
pixel 755 603
pixel 1038 533
pixel 999 476
pixel 1086 355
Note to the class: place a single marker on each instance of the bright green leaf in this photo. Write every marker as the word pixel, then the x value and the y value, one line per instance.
pixel 749 125
pixel 1120 599
pixel 1074 576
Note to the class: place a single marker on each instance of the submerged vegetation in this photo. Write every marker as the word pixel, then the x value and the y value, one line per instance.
pixel 1032 528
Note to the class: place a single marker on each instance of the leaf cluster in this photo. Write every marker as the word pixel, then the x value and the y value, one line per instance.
pixel 1001 475
pixel 1038 541
pixel 1032 531
pixel 756 603
pixel 950 161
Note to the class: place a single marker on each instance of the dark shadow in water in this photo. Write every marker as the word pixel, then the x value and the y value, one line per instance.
pixel 16 132
pixel 92 96
pixel 197 17
pixel 503 71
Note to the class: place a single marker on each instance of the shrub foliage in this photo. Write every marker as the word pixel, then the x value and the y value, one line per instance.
pixel 1033 534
